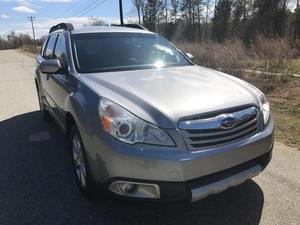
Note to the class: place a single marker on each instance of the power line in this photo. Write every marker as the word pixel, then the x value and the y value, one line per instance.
pixel 83 5
pixel 31 19
pixel 71 7
pixel 88 8
pixel 82 13
pixel 74 7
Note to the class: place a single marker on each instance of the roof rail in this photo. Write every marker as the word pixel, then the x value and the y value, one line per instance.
pixel 136 26
pixel 64 26
pixel 131 25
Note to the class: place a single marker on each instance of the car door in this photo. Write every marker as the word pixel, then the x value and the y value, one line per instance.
pixel 56 85
pixel 59 83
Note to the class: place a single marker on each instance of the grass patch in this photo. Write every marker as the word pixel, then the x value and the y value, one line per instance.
pixel 285 101
pixel 292 66
pixel 288 67
pixel 284 96
pixel 287 124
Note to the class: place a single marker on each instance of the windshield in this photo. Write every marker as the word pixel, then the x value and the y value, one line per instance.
pixel 123 51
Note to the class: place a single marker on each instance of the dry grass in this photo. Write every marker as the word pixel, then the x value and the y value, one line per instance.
pixel 230 57
pixel 30 50
pixel 267 55
pixel 292 66
pixel 272 55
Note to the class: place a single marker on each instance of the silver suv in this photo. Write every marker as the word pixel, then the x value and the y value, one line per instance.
pixel 143 121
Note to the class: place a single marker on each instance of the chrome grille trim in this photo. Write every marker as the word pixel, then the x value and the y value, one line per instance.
pixel 209 132
pixel 214 122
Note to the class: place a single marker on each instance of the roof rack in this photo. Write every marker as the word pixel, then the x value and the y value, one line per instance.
pixel 64 26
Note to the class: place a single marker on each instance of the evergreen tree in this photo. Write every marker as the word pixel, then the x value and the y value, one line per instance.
pixel 271 16
pixel 221 20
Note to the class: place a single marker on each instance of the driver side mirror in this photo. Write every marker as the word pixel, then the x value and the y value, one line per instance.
pixel 189 55
pixel 50 66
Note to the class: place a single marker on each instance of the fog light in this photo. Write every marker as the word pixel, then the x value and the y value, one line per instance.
pixel 130 188
pixel 135 189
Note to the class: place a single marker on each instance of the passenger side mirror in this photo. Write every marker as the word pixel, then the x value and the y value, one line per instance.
pixel 189 55
pixel 50 66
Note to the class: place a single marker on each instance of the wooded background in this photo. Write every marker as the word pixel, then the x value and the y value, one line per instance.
pixel 208 20
pixel 202 20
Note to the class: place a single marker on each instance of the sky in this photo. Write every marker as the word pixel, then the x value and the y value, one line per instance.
pixel 14 13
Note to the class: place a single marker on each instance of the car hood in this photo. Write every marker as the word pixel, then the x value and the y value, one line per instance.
pixel 164 96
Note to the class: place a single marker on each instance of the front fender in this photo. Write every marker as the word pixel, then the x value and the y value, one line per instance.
pixel 83 106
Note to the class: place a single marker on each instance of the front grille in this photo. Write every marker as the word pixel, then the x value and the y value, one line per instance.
pixel 210 132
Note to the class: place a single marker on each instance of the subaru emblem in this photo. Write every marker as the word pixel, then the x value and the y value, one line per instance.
pixel 228 123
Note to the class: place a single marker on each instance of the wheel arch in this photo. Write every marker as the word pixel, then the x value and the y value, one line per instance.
pixel 69 122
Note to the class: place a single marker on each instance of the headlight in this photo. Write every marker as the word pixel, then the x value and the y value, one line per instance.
pixel 264 104
pixel 128 128
pixel 265 107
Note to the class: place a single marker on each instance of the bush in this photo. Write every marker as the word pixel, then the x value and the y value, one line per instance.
pixel 273 53
pixel 230 57
pixel 31 49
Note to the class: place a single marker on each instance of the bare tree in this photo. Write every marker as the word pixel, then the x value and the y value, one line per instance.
pixel 139 5
pixel 93 21
pixel 166 11
pixel 174 9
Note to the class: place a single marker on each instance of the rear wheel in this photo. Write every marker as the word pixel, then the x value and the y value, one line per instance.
pixel 84 179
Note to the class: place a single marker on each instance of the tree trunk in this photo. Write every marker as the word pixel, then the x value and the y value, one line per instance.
pixel 206 20
pixel 139 15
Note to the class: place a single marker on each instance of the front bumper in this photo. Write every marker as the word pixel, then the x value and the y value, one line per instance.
pixel 200 188
pixel 179 173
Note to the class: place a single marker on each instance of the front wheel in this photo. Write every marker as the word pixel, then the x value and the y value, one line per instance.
pixel 84 179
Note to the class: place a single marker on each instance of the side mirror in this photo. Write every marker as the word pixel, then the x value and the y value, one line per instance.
pixel 50 66
pixel 189 55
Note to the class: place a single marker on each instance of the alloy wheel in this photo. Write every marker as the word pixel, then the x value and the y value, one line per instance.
pixel 79 162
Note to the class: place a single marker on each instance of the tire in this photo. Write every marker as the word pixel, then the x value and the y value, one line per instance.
pixel 85 182
pixel 43 111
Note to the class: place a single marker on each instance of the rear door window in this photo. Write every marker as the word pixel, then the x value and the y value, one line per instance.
pixel 48 53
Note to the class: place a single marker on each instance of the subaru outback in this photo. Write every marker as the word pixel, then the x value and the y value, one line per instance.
pixel 143 121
